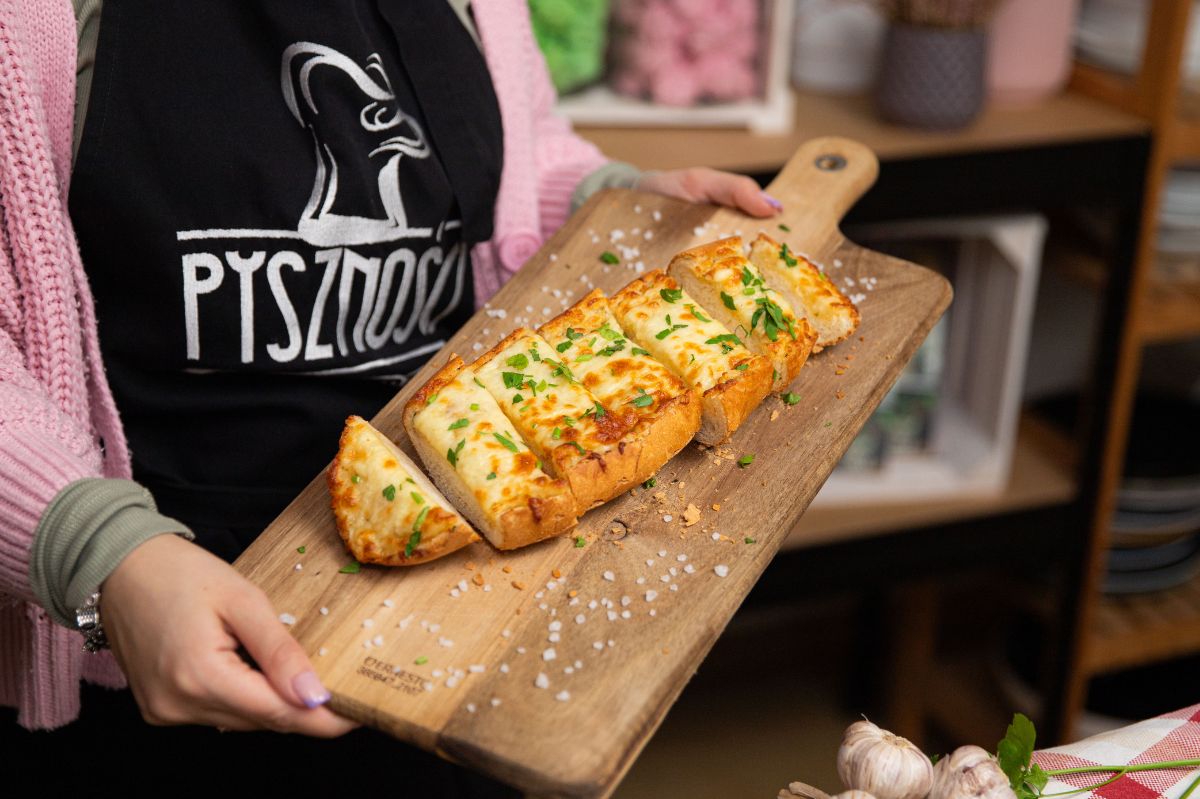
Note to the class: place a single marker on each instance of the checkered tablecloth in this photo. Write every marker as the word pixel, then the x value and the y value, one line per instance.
pixel 1174 736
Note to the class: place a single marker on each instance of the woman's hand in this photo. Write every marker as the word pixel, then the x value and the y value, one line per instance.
pixel 701 184
pixel 175 614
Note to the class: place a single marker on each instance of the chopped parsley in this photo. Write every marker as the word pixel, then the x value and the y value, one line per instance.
pixel 518 399
pixel 301 550
pixel 608 258
pixel 639 351
pixel 506 441
pixel 613 348
pixel 352 567
pixel 750 540
pixel 573 334
pixel 671 295
pixel 417 498
pixel 491 476
pixel 580 542
pixel 642 399
pixel 599 411
pixel 696 313
pixel 575 444
pixel 474 406
pixel 725 339
pixel 513 379
pixel 566 345
pixel 747 276
pixel 791 398
pixel 452 454
pixel 461 423
pixel 533 353
pixel 430 399
pixel 481 385
pixel 745 461
pixel 660 335
pixel 607 333
pixel 355 478
pixel 587 356
pixel 728 300
pixel 653 481
pixel 421 661
pixel 518 361
pixel 772 318
pixel 389 492
pixel 787 257
pixel 741 367
pixel 561 370
pixel 415 538
pixel 556 433
pixel 785 228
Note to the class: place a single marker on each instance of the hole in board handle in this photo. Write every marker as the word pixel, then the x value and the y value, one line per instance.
pixel 830 162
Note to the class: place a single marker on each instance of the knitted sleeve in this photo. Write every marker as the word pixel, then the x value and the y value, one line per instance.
pixel 563 158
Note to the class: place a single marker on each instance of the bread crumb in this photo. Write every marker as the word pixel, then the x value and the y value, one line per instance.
pixel 556 574
pixel 716 506
pixel 572 594
pixel 517 584
pixel 774 414
pixel 478 578
pixel 691 515
pixel 469 566
pixel 506 569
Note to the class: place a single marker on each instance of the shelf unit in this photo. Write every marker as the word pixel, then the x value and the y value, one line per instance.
pixel 1119 632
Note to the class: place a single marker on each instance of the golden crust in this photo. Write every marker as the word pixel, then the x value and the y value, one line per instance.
pixel 662 427
pixel 376 530
pixel 739 395
pixel 710 270
pixel 826 308
pixel 528 518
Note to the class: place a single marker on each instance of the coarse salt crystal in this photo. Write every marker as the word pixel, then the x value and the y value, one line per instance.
pixel 547 310
pixel 436 673
pixel 470 707
pixel 495 701
pixel 612 615
pixel 541 681
pixel 689 568
pixel 433 628
pixel 637 209
pixel 542 606
pixel 580 619
pixel 653 612
pixel 666 517
pixel 539 595
pixel 625 600
pixel 597 645
pixel 550 586
pixel 674 572
pixel 716 536
pixel 324 611
pixel 662 553
pixel 504 668
pixel 682 558
pixel 462 586
pixel 454 592
pixel 377 640
pixel 388 603
pixel 520 650
pixel 446 642
pixel 368 623
pixel 579 664
pixel 563 696
pixel 506 633
pixel 476 346
pixel 555 626
pixel 554 638
pixel 549 654
pixel 323 651
pixel 574 601
pixel 427 685
pixel 651 595
pixel 674 586
pixel 649 234
pixel 609 576
pixel 592 605
pixel 657 216
pixel 476 668
pixel 299 566
pixel 625 614
pixel 641 581
pixel 287 618
pixel 487 587
pixel 569 670
pixel 497 313
pixel 721 570
pixel 367 643
pixel 666 578
pixel 611 642
pixel 553 256
pixel 528 309
pixel 649 561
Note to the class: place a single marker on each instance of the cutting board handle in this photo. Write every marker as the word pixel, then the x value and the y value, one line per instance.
pixel 817 186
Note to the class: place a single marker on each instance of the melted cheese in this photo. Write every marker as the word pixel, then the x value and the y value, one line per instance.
pixel 541 395
pixel 381 496
pixel 605 361
pixel 744 285
pixel 464 419
pixel 695 347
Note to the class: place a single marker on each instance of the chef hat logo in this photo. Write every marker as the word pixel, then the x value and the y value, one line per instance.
pixel 389 136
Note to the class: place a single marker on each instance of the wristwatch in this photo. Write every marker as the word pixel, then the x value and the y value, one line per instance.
pixel 87 619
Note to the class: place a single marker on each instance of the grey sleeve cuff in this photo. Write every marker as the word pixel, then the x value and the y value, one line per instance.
pixel 613 175
pixel 84 534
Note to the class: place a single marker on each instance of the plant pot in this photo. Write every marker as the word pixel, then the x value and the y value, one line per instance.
pixel 932 77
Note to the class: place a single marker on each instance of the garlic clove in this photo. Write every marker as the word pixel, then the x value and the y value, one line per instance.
pixel 853 795
pixel 885 765
pixel 969 772
pixel 803 791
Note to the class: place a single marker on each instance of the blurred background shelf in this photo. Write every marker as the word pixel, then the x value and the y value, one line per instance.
pixel 1068 117
pixel 1169 312
pixel 1132 630
pixel 1043 473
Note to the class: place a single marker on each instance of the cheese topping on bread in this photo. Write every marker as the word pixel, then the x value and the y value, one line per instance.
pixel 463 422
pixel 619 373
pixel 809 290
pixel 735 293
pixel 387 511
pixel 540 393
pixel 667 322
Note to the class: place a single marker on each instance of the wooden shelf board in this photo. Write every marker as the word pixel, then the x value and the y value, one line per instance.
pixel 1144 628
pixel 1169 312
pixel 1042 475
pixel 1070 116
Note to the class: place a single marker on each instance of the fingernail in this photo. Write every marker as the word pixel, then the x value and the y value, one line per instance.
pixel 778 206
pixel 307 686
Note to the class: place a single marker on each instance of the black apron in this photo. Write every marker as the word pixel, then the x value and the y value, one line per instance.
pixel 275 202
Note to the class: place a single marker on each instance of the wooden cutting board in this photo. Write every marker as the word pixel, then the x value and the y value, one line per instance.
pixel 628 616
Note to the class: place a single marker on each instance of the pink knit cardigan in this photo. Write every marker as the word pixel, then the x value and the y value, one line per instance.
pixel 55 404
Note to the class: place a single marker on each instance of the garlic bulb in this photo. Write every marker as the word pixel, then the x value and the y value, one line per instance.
pixel 883 764
pixel 969 773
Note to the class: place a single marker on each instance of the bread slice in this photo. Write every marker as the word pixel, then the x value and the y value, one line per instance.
pixel 806 287
pixel 733 292
pixel 663 320
pixel 578 438
pixel 486 470
pixel 387 511
pixel 619 374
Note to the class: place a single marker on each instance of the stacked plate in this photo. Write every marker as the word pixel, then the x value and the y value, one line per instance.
pixel 1156 529
pixel 1179 213
pixel 1111 34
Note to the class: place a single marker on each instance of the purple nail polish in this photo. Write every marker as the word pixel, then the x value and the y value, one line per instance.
pixel 778 206
pixel 308 687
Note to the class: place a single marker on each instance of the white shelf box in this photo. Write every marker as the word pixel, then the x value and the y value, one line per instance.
pixel 972 366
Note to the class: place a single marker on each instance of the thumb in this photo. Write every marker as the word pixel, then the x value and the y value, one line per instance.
pixel 282 660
